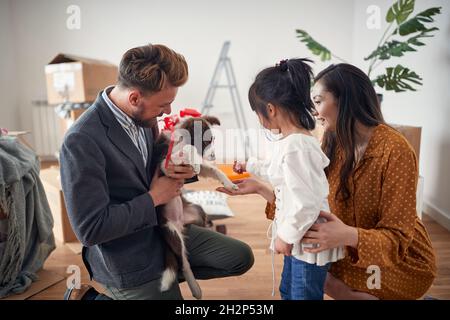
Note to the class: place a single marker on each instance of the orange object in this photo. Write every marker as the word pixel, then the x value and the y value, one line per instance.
pixel 228 170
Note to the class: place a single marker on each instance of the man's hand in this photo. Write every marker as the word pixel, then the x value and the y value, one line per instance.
pixel 180 171
pixel 163 189
pixel 283 247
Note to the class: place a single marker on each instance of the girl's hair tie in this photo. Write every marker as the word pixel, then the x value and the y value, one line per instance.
pixel 283 65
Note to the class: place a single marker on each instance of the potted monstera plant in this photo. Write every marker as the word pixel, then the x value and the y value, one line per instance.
pixel 404 34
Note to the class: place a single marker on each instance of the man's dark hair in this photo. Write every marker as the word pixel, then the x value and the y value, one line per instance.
pixel 151 67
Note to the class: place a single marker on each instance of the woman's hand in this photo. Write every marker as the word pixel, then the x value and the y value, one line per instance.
pixel 283 247
pixel 250 186
pixel 331 234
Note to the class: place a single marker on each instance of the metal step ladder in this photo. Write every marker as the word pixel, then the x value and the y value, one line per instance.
pixel 224 65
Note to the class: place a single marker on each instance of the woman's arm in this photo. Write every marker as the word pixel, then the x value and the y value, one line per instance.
pixel 388 242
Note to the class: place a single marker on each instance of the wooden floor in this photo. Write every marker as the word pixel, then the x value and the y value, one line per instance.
pixel 250 226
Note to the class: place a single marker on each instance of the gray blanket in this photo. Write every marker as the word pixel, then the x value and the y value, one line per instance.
pixel 30 237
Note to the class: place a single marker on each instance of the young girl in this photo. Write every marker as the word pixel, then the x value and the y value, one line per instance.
pixel 280 96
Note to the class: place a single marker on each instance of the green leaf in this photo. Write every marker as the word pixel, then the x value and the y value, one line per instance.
pixel 424 34
pixel 315 47
pixel 390 49
pixel 396 48
pixel 400 11
pixel 416 23
pixel 398 79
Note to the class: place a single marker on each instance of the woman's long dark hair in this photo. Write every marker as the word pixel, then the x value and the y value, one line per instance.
pixel 356 101
pixel 288 86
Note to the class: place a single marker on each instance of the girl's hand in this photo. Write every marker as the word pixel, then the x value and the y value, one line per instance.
pixel 283 247
pixel 246 186
pixel 239 167
pixel 331 234
pixel 250 186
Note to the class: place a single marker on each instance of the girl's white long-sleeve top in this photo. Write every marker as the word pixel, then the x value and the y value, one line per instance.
pixel 296 172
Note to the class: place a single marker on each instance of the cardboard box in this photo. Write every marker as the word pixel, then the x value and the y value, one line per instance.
pixel 412 134
pixel 65 124
pixel 76 79
pixel 419 196
pixel 20 135
pixel 51 181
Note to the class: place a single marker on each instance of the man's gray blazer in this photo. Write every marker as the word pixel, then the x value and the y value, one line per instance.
pixel 105 187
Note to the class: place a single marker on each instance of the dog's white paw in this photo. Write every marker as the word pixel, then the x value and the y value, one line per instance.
pixel 196 167
pixel 230 186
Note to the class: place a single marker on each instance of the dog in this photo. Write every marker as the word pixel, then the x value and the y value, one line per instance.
pixel 192 147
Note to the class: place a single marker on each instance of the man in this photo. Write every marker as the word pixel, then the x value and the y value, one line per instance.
pixel 111 189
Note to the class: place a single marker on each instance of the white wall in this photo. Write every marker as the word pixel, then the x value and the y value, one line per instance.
pixel 429 107
pixel 261 33
pixel 9 115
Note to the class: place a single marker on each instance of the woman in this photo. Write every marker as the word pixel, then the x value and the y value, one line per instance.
pixel 373 176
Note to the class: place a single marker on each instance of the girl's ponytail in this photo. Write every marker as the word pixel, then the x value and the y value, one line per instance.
pixel 301 76
pixel 288 86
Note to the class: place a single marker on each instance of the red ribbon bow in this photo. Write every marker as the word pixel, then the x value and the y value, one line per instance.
pixel 169 125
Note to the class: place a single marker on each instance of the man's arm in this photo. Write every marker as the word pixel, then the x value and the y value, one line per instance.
pixel 83 178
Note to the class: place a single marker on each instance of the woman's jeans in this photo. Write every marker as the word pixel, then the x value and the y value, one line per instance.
pixel 301 280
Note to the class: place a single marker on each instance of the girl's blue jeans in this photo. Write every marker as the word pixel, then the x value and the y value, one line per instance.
pixel 301 280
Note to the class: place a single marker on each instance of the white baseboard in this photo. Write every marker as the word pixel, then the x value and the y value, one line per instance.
pixel 437 214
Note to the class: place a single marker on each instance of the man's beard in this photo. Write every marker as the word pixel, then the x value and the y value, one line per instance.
pixel 145 123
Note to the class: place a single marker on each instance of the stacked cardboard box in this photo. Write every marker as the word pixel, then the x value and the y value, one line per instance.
pixel 77 79
pixel 72 79
pixel 52 185
pixel 412 134
pixel 66 123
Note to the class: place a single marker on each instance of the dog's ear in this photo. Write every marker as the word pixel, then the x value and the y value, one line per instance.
pixel 212 120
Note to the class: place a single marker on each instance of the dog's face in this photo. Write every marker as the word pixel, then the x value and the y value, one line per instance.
pixel 197 132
